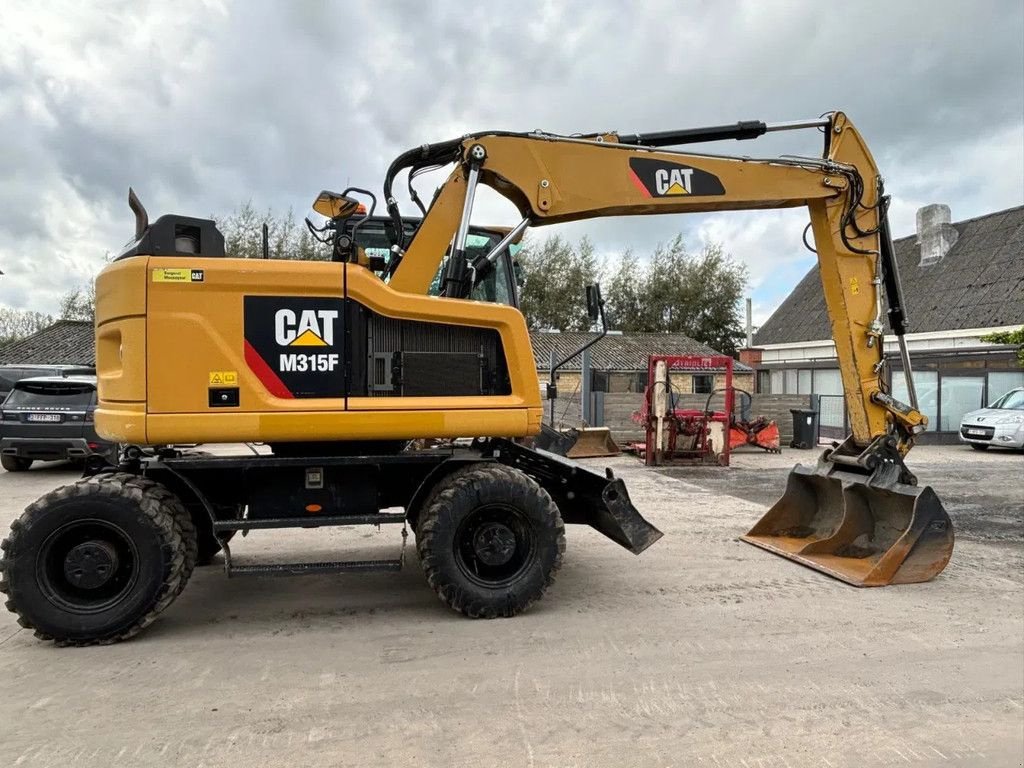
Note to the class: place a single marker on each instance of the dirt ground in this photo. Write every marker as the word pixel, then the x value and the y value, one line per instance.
pixel 704 651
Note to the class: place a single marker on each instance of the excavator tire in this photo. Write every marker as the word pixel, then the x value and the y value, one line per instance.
pixel 94 562
pixel 490 540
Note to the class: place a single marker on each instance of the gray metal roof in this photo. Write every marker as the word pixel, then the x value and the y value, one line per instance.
pixel 978 284
pixel 66 342
pixel 618 352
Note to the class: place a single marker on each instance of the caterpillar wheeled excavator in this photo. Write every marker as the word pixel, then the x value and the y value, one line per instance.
pixel 337 366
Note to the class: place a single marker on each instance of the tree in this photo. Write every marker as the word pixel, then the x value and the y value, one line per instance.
pixel 79 303
pixel 680 293
pixel 19 323
pixel 1008 337
pixel 553 296
pixel 286 237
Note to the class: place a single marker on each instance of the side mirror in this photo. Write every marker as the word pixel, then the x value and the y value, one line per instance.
pixel 331 205
pixel 594 302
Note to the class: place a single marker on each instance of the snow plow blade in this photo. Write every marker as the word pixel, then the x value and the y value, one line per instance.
pixel 861 530
pixel 584 497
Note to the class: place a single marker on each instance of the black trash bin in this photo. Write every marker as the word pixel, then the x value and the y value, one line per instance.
pixel 805 428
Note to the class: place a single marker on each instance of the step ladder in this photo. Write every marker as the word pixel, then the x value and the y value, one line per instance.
pixel 306 569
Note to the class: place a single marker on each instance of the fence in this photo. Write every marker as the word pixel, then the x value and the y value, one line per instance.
pixel 615 410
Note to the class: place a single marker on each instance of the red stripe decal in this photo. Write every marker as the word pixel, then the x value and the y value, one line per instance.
pixel 265 373
pixel 639 184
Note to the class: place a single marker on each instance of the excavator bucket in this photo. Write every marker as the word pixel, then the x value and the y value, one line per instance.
pixel 869 534
pixel 585 443
pixel 593 442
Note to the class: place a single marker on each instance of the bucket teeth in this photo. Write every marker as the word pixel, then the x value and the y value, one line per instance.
pixel 866 535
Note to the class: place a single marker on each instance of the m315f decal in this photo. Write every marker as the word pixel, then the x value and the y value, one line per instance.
pixel 661 178
pixel 294 345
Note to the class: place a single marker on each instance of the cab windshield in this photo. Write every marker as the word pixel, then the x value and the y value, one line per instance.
pixel 495 286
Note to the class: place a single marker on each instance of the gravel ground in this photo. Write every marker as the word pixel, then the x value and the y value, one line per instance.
pixel 703 651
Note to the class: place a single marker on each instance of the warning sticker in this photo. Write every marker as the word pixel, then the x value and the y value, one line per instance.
pixel 221 378
pixel 164 275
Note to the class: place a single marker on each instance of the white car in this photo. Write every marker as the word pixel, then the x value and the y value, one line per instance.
pixel 1001 424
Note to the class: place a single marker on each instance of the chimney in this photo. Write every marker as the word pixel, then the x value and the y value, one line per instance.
pixel 935 234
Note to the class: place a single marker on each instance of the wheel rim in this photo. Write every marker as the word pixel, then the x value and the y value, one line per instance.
pixel 495 544
pixel 86 566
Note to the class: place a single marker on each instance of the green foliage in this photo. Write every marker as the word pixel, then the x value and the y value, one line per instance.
pixel 553 296
pixel 1008 337
pixel 79 303
pixel 287 238
pixel 674 291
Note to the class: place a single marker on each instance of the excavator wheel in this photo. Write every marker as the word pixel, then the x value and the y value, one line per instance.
pixel 95 562
pixel 490 540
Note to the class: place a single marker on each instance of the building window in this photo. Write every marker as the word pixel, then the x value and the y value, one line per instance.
pixel 764 382
pixel 703 383
pixel 960 395
pixel 598 381
pixel 803 386
pixel 999 383
pixel 926 383
pixel 827 381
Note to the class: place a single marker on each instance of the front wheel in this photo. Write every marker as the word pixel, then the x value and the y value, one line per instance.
pixel 490 541
pixel 95 561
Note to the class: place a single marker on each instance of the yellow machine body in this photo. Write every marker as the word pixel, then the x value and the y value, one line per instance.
pixel 163 345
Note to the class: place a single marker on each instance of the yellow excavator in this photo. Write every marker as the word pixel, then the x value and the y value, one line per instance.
pixel 343 367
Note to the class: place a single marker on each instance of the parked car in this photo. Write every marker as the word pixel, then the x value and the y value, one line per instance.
pixel 12 373
pixel 48 418
pixel 1001 424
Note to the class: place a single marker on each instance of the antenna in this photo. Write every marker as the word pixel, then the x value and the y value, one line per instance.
pixel 266 241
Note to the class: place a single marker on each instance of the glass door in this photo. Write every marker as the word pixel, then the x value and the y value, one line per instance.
pixel 959 395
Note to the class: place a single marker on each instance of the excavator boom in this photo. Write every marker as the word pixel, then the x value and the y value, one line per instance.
pixel 859 514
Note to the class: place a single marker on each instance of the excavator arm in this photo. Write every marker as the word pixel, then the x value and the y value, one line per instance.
pixel 859 514
pixel 554 179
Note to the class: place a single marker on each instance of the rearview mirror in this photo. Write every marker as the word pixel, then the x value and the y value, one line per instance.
pixel 594 302
pixel 333 206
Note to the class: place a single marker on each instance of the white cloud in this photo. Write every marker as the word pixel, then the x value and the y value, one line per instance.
pixel 204 105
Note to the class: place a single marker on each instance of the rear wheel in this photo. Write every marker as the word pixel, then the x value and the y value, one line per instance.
pixel 15 463
pixel 979 447
pixel 96 561
pixel 490 540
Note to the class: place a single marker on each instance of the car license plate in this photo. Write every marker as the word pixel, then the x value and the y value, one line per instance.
pixel 48 417
pixel 976 432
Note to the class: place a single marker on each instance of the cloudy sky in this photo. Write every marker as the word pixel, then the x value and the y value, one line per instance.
pixel 204 105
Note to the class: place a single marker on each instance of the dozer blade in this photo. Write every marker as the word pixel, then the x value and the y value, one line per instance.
pixel 868 535
pixel 583 496
pixel 592 443
pixel 586 443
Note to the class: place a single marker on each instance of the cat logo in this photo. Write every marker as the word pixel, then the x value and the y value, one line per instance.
pixel 661 178
pixel 294 345
pixel 675 181
pixel 308 328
